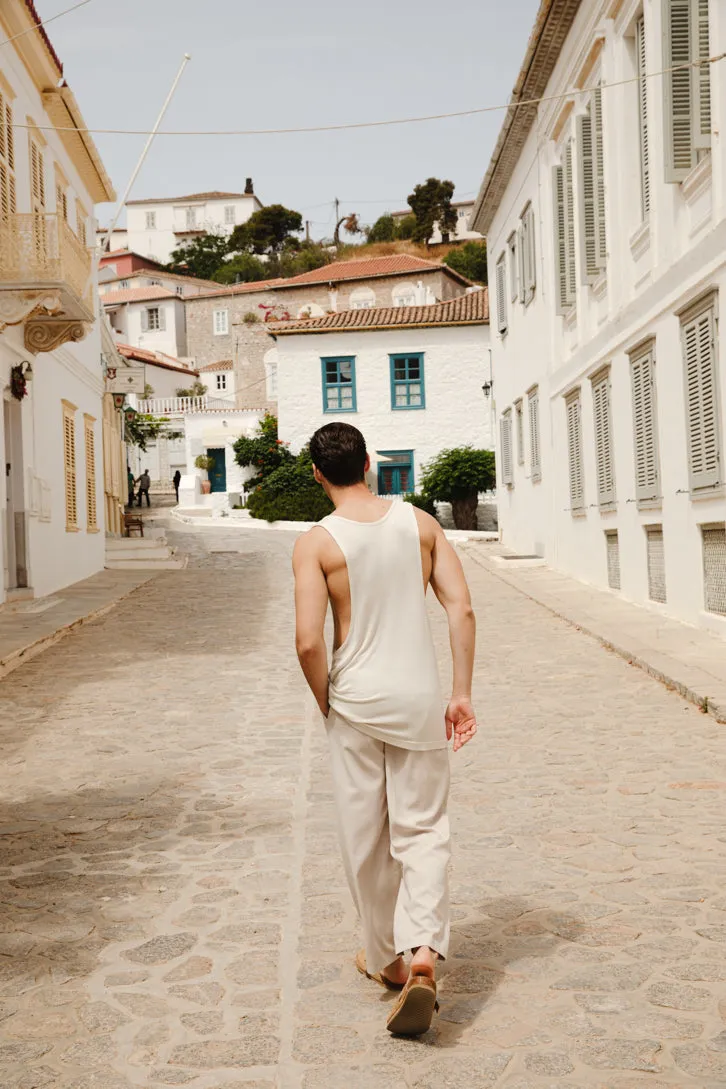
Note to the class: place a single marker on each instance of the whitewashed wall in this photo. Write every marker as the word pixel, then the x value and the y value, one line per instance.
pixel 212 430
pixel 653 272
pixel 456 364
pixel 170 217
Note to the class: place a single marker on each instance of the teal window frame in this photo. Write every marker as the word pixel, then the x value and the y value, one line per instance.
pixel 399 459
pixel 398 384
pixel 338 385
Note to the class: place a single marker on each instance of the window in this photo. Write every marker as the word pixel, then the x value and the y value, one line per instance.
pixel 407 381
pixel 592 189
pixel 81 218
pixel 339 393
pixel 179 289
pixel 404 295
pixel 151 221
pixel 656 563
pixel 698 336
pixel 462 213
pixel 124 284
pixel 395 473
pixel 519 421
pixel 714 567
pixel 641 59
pixel 153 318
pixel 155 283
pixel 221 322
pixel 645 425
pixel 612 549
pixel 61 199
pixel 90 443
pixel 535 455
pixel 565 231
pixel 37 177
pixel 501 272
pixel 605 468
pixel 7 159
pixel 574 452
pixel 221 381
pixel 512 253
pixel 505 435
pixel 687 89
pixel 528 279
pixel 191 218
pixel 362 298
pixel 69 465
pixel 229 214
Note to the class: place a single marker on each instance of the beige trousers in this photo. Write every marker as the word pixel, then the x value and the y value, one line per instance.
pixel 394 836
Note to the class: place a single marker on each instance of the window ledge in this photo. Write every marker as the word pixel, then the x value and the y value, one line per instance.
pixel 640 241
pixel 719 492
pixel 600 285
pixel 580 512
pixel 656 503
pixel 608 508
pixel 698 181
pixel 570 317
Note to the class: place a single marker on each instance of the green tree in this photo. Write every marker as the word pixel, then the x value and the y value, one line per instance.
pixel 383 230
pixel 431 203
pixel 243 268
pixel 405 227
pixel 457 476
pixel 290 493
pixel 201 257
pixel 304 258
pixel 140 428
pixel 197 389
pixel 264 452
pixel 266 230
pixel 470 260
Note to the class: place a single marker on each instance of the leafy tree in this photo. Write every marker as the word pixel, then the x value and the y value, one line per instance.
pixel 457 476
pixel 264 452
pixel 243 268
pixel 290 493
pixel 197 389
pixel 383 230
pixel 431 203
pixel 266 230
pixel 470 260
pixel 201 257
pixel 140 428
pixel 307 256
pixel 405 227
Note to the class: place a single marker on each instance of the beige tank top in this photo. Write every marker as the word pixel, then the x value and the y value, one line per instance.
pixel 384 678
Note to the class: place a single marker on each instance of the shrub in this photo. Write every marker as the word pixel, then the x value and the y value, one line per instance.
pixel 470 260
pixel 422 501
pixel 250 318
pixel 264 452
pixel 383 230
pixel 457 476
pixel 290 493
pixel 203 461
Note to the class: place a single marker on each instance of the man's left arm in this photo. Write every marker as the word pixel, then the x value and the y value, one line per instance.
pixel 311 606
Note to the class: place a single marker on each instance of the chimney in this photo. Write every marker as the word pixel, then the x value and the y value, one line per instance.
pixel 249 191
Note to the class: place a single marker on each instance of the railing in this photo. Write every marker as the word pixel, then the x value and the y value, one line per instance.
pixel 40 247
pixel 165 406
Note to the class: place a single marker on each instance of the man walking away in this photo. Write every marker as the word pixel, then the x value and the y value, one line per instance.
pixel 144 483
pixel 373 560
pixel 130 482
pixel 177 482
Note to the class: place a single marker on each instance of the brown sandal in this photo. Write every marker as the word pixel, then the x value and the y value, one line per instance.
pixel 377 977
pixel 414 1010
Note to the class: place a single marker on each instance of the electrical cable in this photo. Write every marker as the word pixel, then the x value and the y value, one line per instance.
pixel 45 22
pixel 523 104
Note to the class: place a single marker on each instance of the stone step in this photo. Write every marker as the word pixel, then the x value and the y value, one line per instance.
pixel 146 563
pixel 128 544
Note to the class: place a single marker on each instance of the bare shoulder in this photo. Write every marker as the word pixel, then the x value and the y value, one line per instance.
pixel 309 546
pixel 429 529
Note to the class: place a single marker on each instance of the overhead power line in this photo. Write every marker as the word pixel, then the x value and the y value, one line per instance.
pixel 351 125
pixel 45 22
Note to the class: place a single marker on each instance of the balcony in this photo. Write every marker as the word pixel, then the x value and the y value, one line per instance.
pixel 45 279
pixel 182 406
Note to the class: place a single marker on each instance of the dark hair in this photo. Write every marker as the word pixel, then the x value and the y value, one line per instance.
pixel 338 450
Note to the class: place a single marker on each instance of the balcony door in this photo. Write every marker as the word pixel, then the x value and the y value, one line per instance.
pixel 16 573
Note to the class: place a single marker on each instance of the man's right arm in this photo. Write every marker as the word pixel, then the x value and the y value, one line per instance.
pixel 449 584
pixel 311 606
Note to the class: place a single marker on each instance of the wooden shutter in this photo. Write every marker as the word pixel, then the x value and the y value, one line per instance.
pixel 527 263
pixel 645 433
pixel 519 418
pixel 643 117
pixel 522 260
pixel 81 223
pixel 574 452
pixel 679 85
pixel 531 252
pixel 162 318
pixel 558 189
pixel 586 161
pixel 701 75
pixel 501 295
pixel 570 224
pixel 37 177
pixel 535 456
pixel 7 159
pixel 145 320
pixel 506 446
pixel 598 147
pixel 702 416
pixel 603 439
pixel 69 466
pixel 512 254
pixel 91 511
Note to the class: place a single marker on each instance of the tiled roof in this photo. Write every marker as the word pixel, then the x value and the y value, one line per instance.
pixel 137 294
pixel 239 289
pixel 156 359
pixel 111 255
pixel 214 194
pixel 470 309
pixel 177 277
pixel 30 5
pixel 222 365
pixel 396 264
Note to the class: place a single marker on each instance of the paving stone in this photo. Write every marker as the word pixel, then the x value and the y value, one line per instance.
pixel 23 1052
pixel 355 1077
pixel 549 1063
pixel 679 996
pixel 194 968
pixel 475 1072
pixel 620 1054
pixel 100 1017
pixel 316 1045
pixel 213 1054
pixel 206 1024
pixel 700 1062
pixel 162 949
pixel 202 994
pixel 617 977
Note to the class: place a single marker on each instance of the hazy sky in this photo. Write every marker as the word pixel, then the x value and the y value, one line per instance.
pixel 265 65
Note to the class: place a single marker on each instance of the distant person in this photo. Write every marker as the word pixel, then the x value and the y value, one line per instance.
pixel 384 714
pixel 177 482
pixel 144 483
pixel 131 482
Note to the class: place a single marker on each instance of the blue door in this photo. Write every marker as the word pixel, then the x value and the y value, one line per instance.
pixel 218 473
pixel 395 475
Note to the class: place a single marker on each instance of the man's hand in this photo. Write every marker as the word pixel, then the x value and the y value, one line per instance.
pixel 460 721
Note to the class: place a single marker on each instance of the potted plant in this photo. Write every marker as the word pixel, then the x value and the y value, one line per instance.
pixel 206 464
pixel 458 476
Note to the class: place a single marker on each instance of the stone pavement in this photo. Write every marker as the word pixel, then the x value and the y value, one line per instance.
pixel 173 909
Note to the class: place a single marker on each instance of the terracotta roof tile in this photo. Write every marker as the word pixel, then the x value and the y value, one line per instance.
pixel 470 309
pixel 395 264
pixel 222 365
pixel 156 359
pixel 214 194
pixel 30 5
pixel 238 289
pixel 137 294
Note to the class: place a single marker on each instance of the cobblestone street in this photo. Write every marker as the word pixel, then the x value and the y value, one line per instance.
pixel 172 905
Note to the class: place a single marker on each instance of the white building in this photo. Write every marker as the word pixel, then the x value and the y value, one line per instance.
pixel 409 378
pixel 52 492
pixel 156 226
pixel 184 286
pixel 463 233
pixel 605 214
pixel 148 317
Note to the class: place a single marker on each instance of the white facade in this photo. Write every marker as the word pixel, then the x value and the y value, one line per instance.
pixel 184 286
pixel 157 324
pixel 156 227
pixel 212 432
pixel 464 231
pixel 455 411
pixel 52 493
pixel 608 273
